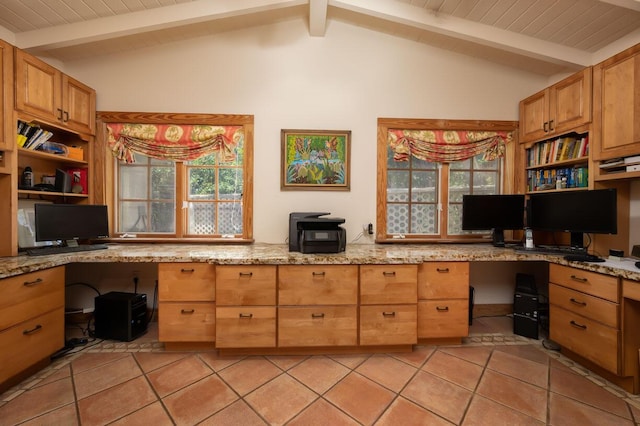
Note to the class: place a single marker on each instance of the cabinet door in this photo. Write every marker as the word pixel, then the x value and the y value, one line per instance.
pixel 534 112
pixel 78 105
pixel 7 126
pixel 38 87
pixel 570 102
pixel 617 105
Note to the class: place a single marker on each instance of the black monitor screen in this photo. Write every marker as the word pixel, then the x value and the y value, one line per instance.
pixel 493 212
pixel 575 211
pixel 484 212
pixel 70 222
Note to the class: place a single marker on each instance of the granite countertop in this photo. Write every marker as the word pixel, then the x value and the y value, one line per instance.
pixel 278 254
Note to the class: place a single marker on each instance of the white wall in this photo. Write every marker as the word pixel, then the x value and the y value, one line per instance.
pixel 290 80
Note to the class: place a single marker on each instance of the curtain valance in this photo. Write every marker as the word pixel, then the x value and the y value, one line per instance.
pixel 447 145
pixel 173 141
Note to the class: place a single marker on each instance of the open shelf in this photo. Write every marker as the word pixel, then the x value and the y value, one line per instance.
pixel 29 192
pixel 46 156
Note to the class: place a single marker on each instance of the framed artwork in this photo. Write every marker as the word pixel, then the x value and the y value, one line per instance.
pixel 315 160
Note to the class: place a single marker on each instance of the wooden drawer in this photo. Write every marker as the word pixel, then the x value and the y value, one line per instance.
pixel 317 326
pixel 443 280
pixel 589 306
pixel 599 285
pixel 26 344
pixel 388 324
pixel 29 295
pixel 186 321
pixel 318 285
pixel 443 318
pixel 631 289
pixel 245 285
pixel 186 281
pixel 384 284
pixel 587 338
pixel 246 327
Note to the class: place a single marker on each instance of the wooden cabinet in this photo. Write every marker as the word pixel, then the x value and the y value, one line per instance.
pixel 7 130
pixel 317 305
pixel 388 304
pixel 31 321
pixel 558 108
pixel 584 308
pixel 245 311
pixel 443 300
pixel 48 94
pixel 616 105
pixel 186 302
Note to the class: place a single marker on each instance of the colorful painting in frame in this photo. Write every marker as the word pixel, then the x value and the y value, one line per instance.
pixel 315 159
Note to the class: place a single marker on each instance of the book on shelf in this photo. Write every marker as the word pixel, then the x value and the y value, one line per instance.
pixel 558 178
pixel 559 149
pixel 31 136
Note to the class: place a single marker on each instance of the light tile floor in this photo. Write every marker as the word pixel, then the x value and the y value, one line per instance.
pixel 493 378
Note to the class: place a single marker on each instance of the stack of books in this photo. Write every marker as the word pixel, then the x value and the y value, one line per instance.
pixel 31 136
pixel 560 149
pixel 623 164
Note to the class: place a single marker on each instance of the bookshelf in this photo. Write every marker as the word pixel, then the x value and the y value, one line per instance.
pixel 558 164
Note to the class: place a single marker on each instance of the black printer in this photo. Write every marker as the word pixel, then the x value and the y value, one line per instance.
pixel 310 233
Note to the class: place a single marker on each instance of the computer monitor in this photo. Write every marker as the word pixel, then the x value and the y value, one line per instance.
pixel 493 212
pixel 577 212
pixel 70 222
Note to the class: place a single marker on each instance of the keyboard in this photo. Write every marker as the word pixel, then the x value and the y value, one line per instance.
pixel 584 257
pixel 43 251
pixel 545 250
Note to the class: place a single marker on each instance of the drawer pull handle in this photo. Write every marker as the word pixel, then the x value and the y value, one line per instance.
pixel 577 302
pixel 318 274
pixel 185 270
pixel 580 326
pixel 32 283
pixel 59 114
pixel 579 279
pixel 388 314
pixel 317 315
pixel 442 270
pixel 389 274
pixel 33 330
pixel 241 315
pixel 545 126
pixel 66 116
pixel 551 128
pixel 442 308
pixel 246 274
pixel 187 311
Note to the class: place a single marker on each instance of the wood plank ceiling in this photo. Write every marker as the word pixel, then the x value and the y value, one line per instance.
pixel 545 36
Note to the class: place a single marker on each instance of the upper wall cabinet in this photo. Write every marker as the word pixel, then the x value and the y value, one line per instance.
pixel 7 129
pixel 557 109
pixel 616 105
pixel 45 92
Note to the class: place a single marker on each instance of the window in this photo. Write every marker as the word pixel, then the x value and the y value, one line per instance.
pixel 205 197
pixel 420 200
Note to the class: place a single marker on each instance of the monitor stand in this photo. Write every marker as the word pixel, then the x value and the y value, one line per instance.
pixel 577 242
pixel 497 237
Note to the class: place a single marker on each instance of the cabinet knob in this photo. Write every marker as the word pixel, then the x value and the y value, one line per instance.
pixel 66 116
pixel 551 128
pixel 33 330
pixel 545 127
pixel 59 117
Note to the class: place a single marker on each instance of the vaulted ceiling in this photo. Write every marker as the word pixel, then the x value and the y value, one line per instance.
pixel 543 36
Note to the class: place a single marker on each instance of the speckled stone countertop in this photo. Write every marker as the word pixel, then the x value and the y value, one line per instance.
pixel 278 254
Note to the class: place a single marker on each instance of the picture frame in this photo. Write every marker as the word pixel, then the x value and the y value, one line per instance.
pixel 315 160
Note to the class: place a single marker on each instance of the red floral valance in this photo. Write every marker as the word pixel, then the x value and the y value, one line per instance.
pixel 173 141
pixel 447 145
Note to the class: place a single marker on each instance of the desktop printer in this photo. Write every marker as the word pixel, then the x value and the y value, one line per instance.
pixel 310 233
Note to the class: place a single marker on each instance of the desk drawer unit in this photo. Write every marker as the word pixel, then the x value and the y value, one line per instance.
pixel 388 324
pixel 250 285
pixel 31 341
pixel 186 281
pixel 592 283
pixel 586 305
pixel 29 295
pixel 443 300
pixel 187 321
pixel 318 285
pixel 246 327
pixel 586 337
pixel 385 284
pixel 317 326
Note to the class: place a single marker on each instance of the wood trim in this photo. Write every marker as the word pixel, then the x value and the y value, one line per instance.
pixel 173 118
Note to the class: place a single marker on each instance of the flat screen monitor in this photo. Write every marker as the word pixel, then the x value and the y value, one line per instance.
pixel 577 212
pixel 70 222
pixel 493 212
